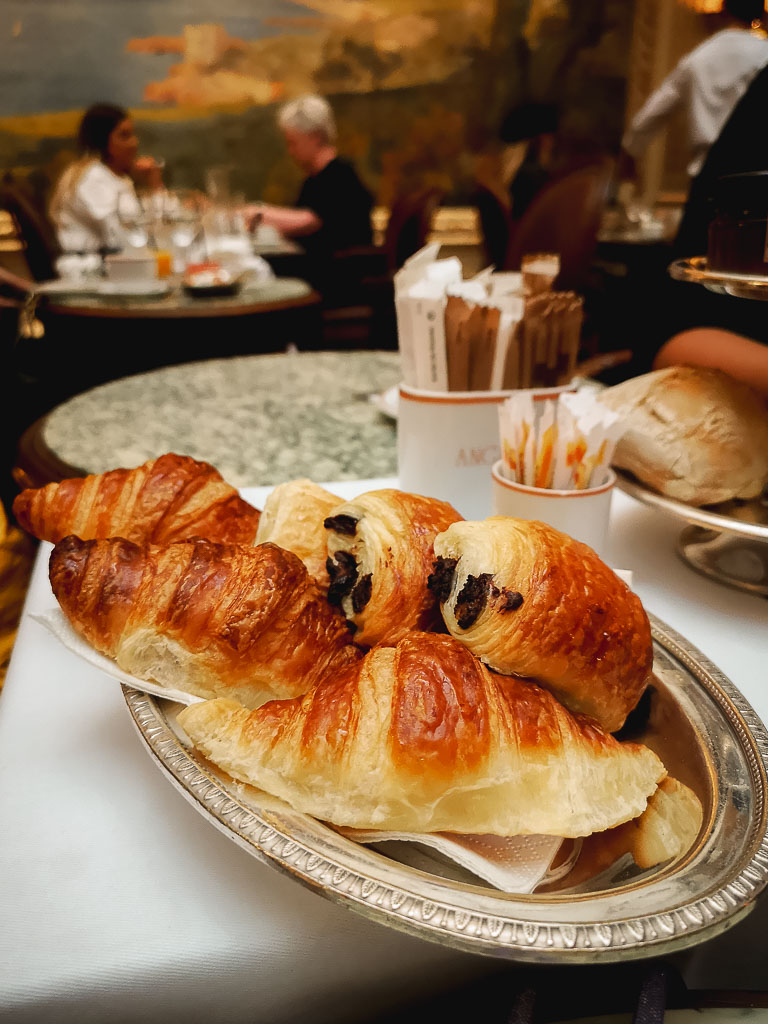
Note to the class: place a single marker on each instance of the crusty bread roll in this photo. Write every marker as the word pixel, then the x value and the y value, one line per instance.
pixel 422 737
pixel 692 433
pixel 531 601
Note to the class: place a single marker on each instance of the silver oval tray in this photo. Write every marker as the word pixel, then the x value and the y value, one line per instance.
pixel 709 738
pixel 741 518
pixel 742 286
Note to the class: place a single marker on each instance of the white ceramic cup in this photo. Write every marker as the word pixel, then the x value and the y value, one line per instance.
pixel 582 514
pixel 131 267
pixel 447 442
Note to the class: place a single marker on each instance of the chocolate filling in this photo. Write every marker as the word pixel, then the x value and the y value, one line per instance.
pixel 510 601
pixel 472 598
pixel 341 524
pixel 361 595
pixel 441 580
pixel 342 570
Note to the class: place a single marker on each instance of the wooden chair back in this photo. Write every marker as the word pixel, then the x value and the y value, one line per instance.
pixel 565 218
pixel 35 230
pixel 409 224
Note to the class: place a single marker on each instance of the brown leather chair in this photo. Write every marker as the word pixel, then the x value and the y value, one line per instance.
pixel 41 247
pixel 409 224
pixel 565 218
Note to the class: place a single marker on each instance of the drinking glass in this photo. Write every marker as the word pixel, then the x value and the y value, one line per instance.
pixel 136 219
pixel 182 217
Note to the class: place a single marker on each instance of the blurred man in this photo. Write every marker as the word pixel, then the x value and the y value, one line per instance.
pixel 707 83
pixel 333 209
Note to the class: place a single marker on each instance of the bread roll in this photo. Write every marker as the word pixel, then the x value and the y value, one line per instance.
pixel 692 433
pixel 531 601
pixel 208 619
pixel 422 737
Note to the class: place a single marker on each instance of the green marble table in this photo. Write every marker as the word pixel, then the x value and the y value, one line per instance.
pixel 259 419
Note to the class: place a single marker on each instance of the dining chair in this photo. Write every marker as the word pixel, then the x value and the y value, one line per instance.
pixel 565 218
pixel 35 230
pixel 409 224
pixel 496 225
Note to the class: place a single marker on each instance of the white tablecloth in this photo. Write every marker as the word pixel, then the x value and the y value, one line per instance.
pixel 119 902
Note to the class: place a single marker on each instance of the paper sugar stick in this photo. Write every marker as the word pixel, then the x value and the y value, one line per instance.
pixel 457 314
pixel 427 300
pixel 483 348
pixel 511 377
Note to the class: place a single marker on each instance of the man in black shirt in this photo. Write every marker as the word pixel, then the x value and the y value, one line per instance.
pixel 333 211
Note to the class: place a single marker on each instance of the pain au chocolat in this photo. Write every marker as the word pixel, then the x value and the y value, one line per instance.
pixel 531 601
pixel 165 500
pixel 380 555
pixel 293 518
pixel 208 619
pixel 422 737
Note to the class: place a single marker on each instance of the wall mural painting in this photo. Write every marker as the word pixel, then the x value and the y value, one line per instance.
pixel 419 90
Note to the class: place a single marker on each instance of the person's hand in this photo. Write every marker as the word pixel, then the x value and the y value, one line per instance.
pixel 253 214
pixel 148 172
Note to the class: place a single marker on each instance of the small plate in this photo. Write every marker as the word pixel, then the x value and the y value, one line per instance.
pixel 210 291
pixel 387 402
pixel 743 286
pixel 698 722
pixel 130 288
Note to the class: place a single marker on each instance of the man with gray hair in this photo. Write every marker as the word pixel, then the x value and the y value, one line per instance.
pixel 333 209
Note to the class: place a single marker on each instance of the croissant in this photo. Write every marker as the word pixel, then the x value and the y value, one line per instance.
pixel 292 518
pixel 379 558
pixel 422 737
pixel 165 500
pixel 209 619
pixel 531 601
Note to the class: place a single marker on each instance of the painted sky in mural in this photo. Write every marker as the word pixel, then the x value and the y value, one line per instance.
pixel 59 55
pixel 142 53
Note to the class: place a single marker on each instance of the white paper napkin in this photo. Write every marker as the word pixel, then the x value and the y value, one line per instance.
pixel 56 623
pixel 516 864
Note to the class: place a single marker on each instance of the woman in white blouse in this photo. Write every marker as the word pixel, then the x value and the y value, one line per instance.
pixel 85 204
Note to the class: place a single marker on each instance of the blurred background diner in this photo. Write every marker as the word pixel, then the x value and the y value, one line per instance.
pixel 236 231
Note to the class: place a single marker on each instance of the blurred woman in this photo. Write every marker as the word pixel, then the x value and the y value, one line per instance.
pixel 85 204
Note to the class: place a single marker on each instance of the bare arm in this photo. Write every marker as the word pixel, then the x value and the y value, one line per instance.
pixel 740 357
pixel 286 219
pixel 651 117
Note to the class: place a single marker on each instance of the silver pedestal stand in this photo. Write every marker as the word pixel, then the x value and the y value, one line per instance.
pixel 728 543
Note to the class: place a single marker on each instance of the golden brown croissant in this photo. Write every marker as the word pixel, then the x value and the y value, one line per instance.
pixel 165 500
pixel 422 738
pixel 530 601
pixel 292 518
pixel 209 619
pixel 379 559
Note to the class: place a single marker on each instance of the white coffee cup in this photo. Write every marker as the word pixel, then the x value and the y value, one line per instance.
pixel 581 514
pixel 447 442
pixel 131 267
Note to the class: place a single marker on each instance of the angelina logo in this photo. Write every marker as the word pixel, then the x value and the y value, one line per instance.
pixel 484 456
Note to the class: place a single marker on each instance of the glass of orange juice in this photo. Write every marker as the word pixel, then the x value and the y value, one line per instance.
pixel 164 262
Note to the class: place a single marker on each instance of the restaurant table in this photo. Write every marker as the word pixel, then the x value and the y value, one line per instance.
pixel 252 417
pixel 121 903
pixel 90 339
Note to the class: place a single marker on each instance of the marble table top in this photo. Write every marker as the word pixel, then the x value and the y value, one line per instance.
pixel 258 419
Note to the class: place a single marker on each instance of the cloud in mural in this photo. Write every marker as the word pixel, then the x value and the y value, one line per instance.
pixel 349 47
